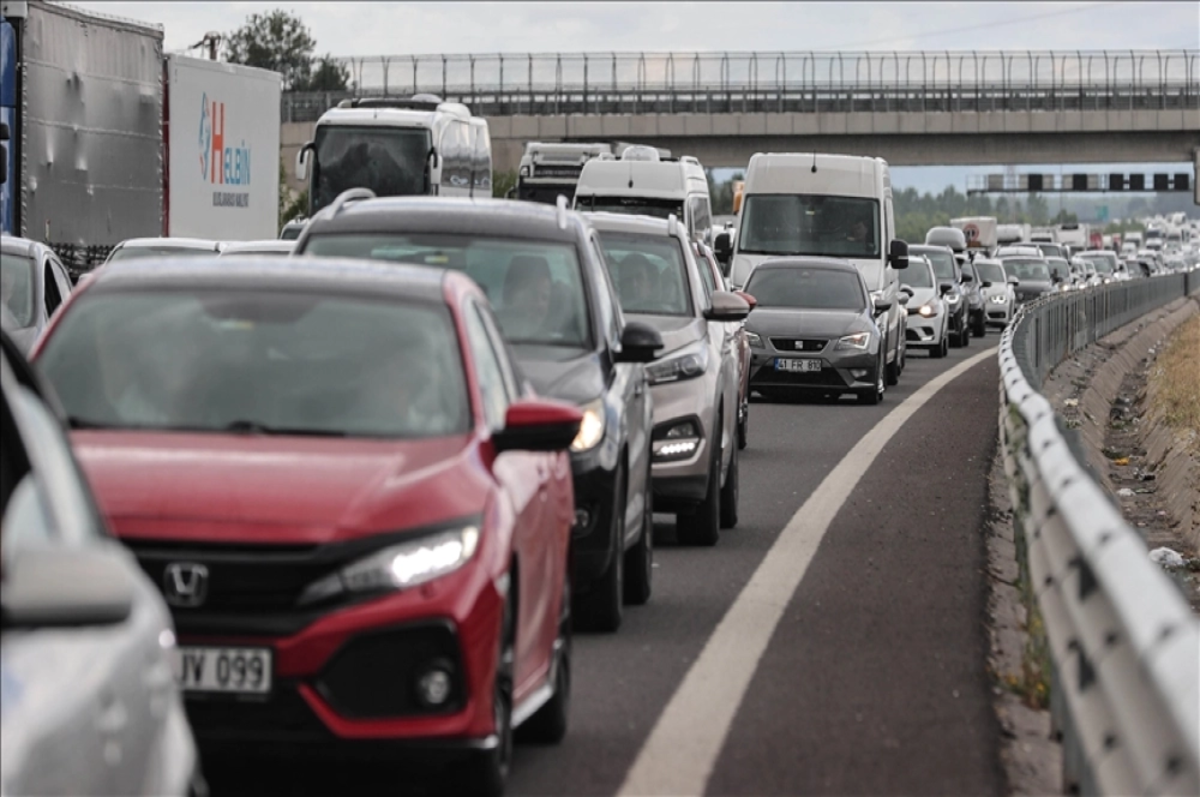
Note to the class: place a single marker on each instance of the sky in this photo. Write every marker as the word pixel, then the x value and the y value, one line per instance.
pixel 354 29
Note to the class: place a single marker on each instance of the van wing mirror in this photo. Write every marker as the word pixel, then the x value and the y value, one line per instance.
pixel 723 247
pixel 898 254
pixel 302 161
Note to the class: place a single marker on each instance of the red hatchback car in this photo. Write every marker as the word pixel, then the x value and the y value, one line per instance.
pixel 359 515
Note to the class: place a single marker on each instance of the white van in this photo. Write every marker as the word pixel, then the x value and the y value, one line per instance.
pixel 826 206
pixel 644 183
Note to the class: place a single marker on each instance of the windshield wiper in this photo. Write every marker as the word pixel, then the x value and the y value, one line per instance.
pixel 254 427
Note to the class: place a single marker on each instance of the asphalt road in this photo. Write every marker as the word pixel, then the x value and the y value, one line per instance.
pixel 874 680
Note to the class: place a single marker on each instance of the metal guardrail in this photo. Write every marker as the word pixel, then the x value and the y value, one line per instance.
pixel 801 82
pixel 1124 644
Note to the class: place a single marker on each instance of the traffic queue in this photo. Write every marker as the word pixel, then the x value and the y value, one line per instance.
pixel 352 492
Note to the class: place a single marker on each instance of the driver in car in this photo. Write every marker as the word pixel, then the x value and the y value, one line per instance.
pixel 528 294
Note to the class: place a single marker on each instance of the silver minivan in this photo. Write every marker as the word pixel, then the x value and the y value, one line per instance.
pixel 695 384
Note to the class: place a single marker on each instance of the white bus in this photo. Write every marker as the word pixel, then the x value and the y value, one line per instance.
pixel 397 147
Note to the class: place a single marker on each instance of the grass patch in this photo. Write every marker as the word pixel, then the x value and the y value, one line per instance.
pixel 1175 383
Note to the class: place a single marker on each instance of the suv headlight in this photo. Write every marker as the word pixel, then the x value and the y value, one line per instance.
pixel 858 341
pixel 400 566
pixel 927 310
pixel 756 342
pixel 998 298
pixel 591 428
pixel 953 297
pixel 691 362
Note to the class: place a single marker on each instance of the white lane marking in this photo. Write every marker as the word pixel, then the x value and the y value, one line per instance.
pixel 679 755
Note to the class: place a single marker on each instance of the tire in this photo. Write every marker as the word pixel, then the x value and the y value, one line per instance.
pixel 729 495
pixel 875 395
pixel 943 348
pixel 549 724
pixel 486 771
pixel 964 334
pixel 639 560
pixel 601 609
pixel 702 527
pixel 980 328
pixel 892 370
pixel 955 334
pixel 743 429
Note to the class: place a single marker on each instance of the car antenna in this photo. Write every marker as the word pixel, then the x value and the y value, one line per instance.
pixel 814 166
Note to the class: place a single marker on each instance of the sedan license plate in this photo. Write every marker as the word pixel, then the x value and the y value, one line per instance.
pixel 797 365
pixel 234 670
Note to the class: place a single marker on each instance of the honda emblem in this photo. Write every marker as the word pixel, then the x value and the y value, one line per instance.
pixel 185 584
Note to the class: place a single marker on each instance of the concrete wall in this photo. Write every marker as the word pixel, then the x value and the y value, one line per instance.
pixel 904 139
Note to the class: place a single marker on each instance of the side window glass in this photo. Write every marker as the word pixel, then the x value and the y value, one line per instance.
pixel 706 276
pixel 63 277
pixel 500 349
pixel 609 321
pixel 51 293
pixel 492 389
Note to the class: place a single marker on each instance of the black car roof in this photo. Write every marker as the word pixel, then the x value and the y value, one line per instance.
pixel 502 218
pixel 317 273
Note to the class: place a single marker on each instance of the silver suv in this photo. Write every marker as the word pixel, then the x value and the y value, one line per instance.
pixel 695 383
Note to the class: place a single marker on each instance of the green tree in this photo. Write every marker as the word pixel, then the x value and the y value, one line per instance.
pixel 1038 210
pixel 278 41
pixel 1065 217
pixel 502 183
pixel 328 74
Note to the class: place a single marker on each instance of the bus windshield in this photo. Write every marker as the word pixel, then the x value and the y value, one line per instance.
pixel 391 161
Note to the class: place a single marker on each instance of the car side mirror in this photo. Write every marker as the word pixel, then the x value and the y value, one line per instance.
pixel 985 284
pixel 945 288
pixel 747 298
pixel 538 425
pixel 640 343
pixel 727 306
pixel 1014 281
pixel 903 298
pixel 63 588
pixel 302 161
pixel 882 306
pixel 898 254
pixel 967 279
pixel 723 247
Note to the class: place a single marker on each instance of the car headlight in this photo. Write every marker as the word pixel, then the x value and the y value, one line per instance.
pixel 953 297
pixel 755 341
pixel 858 341
pixel 998 298
pixel 688 364
pixel 400 566
pixel 927 310
pixel 591 428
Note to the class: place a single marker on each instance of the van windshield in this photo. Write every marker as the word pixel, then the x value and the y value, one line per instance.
pixel 631 206
pixel 809 224
pixel 391 161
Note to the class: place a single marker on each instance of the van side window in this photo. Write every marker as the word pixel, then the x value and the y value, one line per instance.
pixel 605 296
pixel 50 289
pixel 700 219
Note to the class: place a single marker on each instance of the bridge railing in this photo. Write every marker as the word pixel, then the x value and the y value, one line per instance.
pixel 804 82
pixel 1123 642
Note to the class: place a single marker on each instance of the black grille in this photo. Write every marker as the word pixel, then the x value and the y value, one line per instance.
pixel 799 344
pixel 376 675
pixel 768 377
pixel 549 170
pixel 284 716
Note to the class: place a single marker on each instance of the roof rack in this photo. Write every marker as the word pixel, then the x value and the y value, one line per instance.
pixel 417 102
pixel 348 196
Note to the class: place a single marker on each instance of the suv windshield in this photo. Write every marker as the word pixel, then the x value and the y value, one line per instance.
pixel 806 288
pixel 16 288
pixel 1103 262
pixel 1059 268
pixel 796 224
pixel 632 206
pixel 941 259
pixel 391 161
pixel 648 272
pixel 258 360
pixel 536 288
pixel 991 272
pixel 1028 269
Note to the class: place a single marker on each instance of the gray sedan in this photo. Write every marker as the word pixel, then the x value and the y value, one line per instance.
pixel 33 283
pixel 813 330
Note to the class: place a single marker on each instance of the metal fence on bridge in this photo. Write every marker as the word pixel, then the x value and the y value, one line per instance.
pixel 1123 642
pixel 805 82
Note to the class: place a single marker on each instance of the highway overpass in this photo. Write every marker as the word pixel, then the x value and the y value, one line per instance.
pixel 913 108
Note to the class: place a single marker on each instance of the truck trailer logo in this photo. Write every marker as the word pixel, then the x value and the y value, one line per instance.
pixel 220 164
